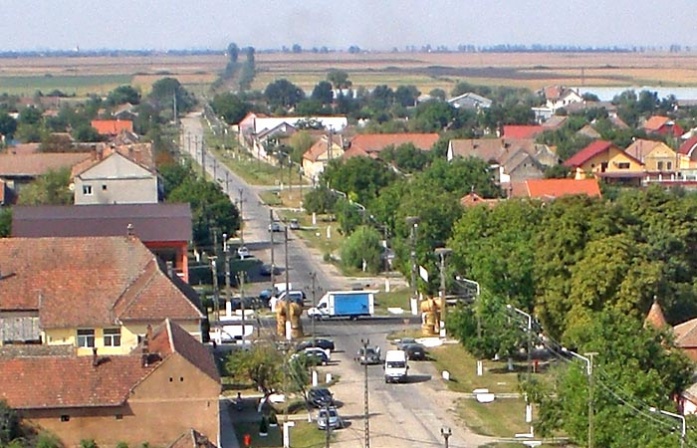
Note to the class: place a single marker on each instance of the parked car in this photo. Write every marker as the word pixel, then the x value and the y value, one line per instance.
pixel 401 343
pixel 415 352
pixel 275 227
pixel 318 355
pixel 320 397
pixel 294 224
pixel 243 252
pixel 323 343
pixel 369 356
pixel 329 416
pixel 267 269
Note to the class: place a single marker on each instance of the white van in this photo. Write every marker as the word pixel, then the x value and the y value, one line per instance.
pixel 396 366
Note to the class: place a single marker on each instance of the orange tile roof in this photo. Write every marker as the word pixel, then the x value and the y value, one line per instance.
pixel 24 148
pixel 112 127
pixel 655 317
pixel 371 143
pixel 320 147
pixel 655 123
pixel 686 334
pixel 473 199
pixel 522 131
pixel 33 165
pixel 90 282
pixel 46 382
pixel 555 188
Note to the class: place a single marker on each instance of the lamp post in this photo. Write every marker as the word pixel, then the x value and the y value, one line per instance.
pixel 588 359
pixel 446 433
pixel 529 350
pixel 442 252
pixel 679 417
pixel 413 222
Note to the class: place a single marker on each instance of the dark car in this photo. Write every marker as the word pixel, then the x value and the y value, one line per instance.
pixel 317 356
pixel 415 352
pixel 326 344
pixel 320 397
pixel 369 355
pixel 268 269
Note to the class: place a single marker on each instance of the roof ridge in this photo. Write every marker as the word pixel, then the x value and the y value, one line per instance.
pixel 129 286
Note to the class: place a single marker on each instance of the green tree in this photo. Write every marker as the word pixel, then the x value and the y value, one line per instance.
pixel 231 107
pixel 86 133
pixel 122 95
pixel 434 116
pixel 406 157
pixel 47 440
pixel 164 91
pixel 88 443
pixel 5 222
pixel 406 95
pixel 348 215
pixel 300 142
pixel 339 79
pixel 30 115
pixel 320 200
pixel 283 93
pixel 323 93
pixel 50 189
pixel 233 52
pixel 8 125
pixel 9 424
pixel 363 246
pixel 310 107
pixel 262 365
pixel 29 133
pixel 438 94
pixel 359 176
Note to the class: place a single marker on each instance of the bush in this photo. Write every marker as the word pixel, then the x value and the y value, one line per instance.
pixel 364 244
pixel 320 200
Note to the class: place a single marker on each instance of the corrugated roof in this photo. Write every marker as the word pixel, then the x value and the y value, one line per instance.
pixel 148 221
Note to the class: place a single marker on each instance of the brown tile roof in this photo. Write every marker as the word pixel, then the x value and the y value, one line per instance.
pixel 686 334
pixel 655 317
pixel 320 147
pixel 23 350
pixel 36 221
pixel 45 382
pixel 171 338
pixel 640 148
pixel 112 127
pixel 33 165
pixel 192 439
pixel 589 132
pixel 554 122
pixel 140 153
pixel 522 131
pixel 555 188
pixel 473 199
pixel 24 148
pixel 492 150
pixel 374 143
pixel 77 282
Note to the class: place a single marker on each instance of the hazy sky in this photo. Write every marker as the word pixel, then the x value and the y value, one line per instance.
pixel 376 24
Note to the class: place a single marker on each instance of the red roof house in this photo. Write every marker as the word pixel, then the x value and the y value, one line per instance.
pixel 522 131
pixel 555 188
pixel 112 127
pixel 606 160
pixel 662 126
pixel 371 144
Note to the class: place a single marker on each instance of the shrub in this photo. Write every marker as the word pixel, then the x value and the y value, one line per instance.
pixel 364 244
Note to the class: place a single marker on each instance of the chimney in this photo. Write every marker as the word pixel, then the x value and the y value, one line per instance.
pixel 144 360
pixel 170 269
pixel 148 333
pixel 94 153
pixel 95 358
pixel 129 229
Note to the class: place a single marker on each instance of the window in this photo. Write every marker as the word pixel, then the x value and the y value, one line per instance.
pixel 104 187
pixel 85 338
pixel 112 337
pixel 87 190
pixel 65 418
pixel 669 166
pixel 660 166
pixel 119 416
pixel 623 165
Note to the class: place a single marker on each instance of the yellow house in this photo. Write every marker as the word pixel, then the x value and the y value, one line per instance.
pixel 688 154
pixel 657 157
pixel 606 161
pixel 93 292
pixel 319 154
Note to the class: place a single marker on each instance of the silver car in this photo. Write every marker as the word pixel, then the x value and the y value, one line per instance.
pixel 330 415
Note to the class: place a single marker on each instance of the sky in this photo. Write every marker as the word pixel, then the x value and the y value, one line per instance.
pixel 370 24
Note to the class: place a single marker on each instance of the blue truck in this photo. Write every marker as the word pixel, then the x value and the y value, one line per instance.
pixel 344 304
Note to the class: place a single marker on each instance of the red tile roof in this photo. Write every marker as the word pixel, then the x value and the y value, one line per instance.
pixel 522 131
pixel 686 334
pixel 473 199
pixel 588 153
pixel 90 282
pixel 555 188
pixel 33 165
pixel 689 146
pixel 45 382
pixel 655 123
pixel 655 317
pixel 371 143
pixel 112 127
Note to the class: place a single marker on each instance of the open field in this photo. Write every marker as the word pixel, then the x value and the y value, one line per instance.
pixel 425 70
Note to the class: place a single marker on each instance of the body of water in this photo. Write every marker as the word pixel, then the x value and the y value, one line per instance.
pixel 608 93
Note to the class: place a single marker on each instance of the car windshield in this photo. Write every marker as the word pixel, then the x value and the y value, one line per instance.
pixel 323 413
pixel 396 365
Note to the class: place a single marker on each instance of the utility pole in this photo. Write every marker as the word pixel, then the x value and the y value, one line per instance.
pixel 590 357
pixel 366 410
pixel 327 428
pixel 203 159
pixel 330 145
pixel 273 263
pixel 214 271
pixel 446 433
pixel 240 200
pixel 240 277
pixel 413 222
pixel 442 252
pixel 288 324
pixel 313 278
pixel 226 250
pixel 227 181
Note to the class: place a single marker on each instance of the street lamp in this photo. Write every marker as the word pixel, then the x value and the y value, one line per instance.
pixel 442 252
pixel 529 317
pixel 413 222
pixel 678 416
pixel 446 432
pixel 588 359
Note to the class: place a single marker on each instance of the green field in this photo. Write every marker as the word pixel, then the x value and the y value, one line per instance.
pixel 69 84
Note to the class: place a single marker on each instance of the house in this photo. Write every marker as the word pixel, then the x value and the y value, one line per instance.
pixel 557 97
pixel 522 131
pixel 662 126
pixel 320 154
pixel 168 386
pixel 125 112
pixel 548 189
pixel 472 199
pixel 89 292
pixel 553 123
pixel 255 124
pixel 164 228
pixel 115 176
pixel 470 101
pixel 688 155
pixel 5 198
pixel 605 160
pixel 18 170
pixel 510 159
pixel 589 131
pixel 657 157
pixel 112 127
pixel 370 145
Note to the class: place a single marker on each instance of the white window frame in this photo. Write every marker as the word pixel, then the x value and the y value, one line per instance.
pixel 86 339
pixel 112 337
pixel 87 190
